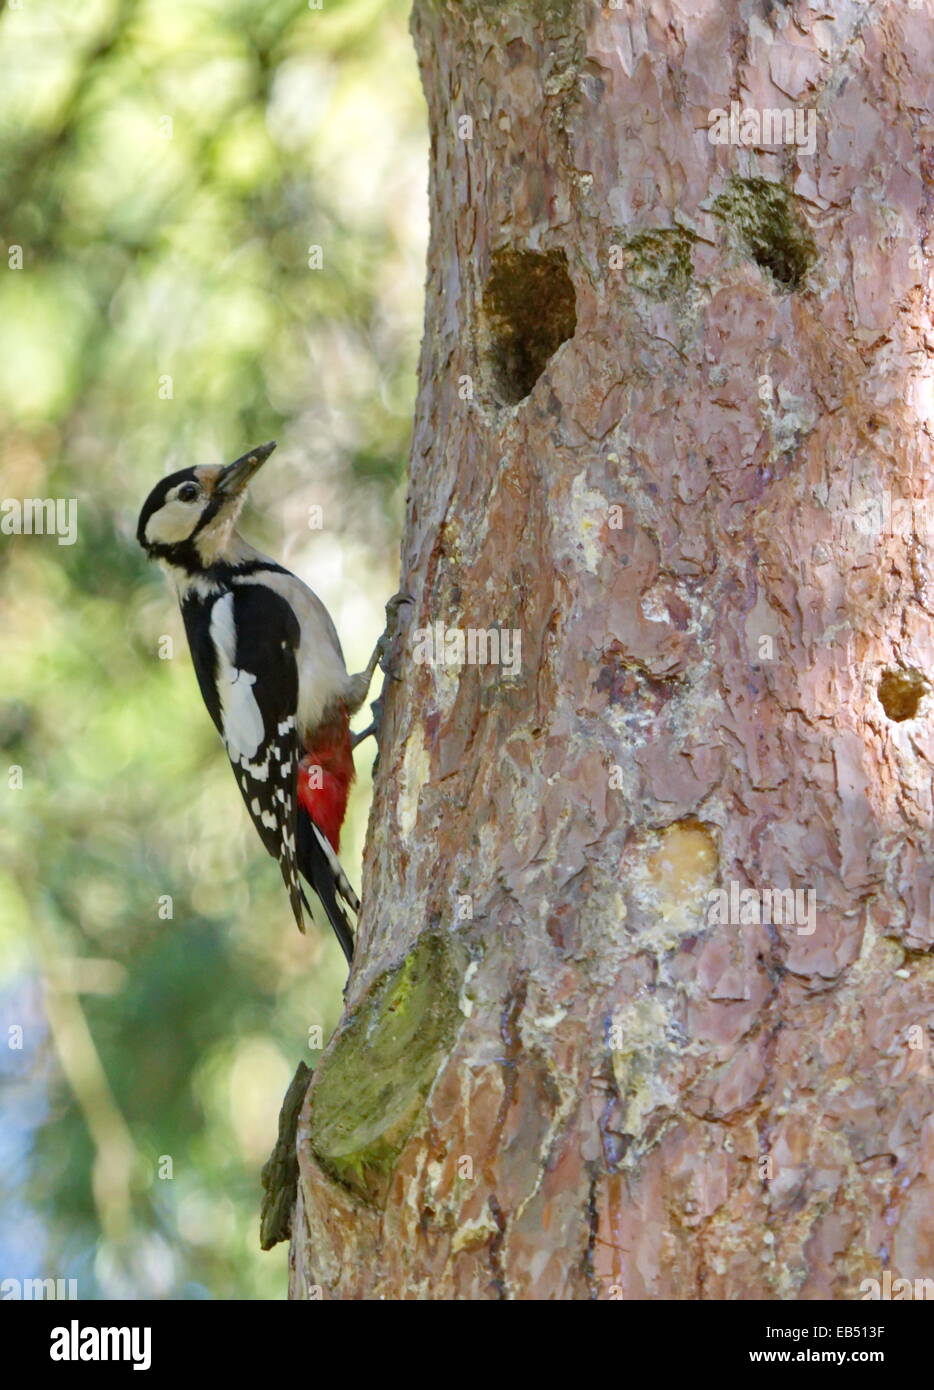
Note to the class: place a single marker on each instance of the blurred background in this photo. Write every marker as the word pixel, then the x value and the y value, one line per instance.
pixel 221 209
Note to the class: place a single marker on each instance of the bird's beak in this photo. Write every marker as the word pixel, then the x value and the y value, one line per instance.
pixel 237 475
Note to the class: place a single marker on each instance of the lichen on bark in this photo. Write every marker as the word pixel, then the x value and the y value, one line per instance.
pixel 374 1079
pixel 659 262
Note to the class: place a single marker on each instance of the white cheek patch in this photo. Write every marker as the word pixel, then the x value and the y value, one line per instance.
pixel 172 523
pixel 242 720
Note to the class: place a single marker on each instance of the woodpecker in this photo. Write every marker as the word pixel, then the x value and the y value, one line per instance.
pixel 272 674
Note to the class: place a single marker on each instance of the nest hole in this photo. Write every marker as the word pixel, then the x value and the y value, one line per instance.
pixel 529 310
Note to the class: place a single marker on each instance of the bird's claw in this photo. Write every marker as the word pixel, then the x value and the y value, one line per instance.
pixel 370 732
pixel 393 606
pixel 384 649
pixel 385 643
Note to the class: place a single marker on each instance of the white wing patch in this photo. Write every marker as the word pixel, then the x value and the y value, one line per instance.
pixel 241 717
pixel 322 675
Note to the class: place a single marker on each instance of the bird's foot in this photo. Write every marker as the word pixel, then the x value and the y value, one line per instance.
pixel 385 656
pixel 389 637
pixel 371 731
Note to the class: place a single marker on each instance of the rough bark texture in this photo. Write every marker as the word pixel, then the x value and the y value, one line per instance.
pixel 691 473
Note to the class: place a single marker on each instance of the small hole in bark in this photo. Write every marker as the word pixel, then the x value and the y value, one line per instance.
pixel 900 692
pixel 765 217
pixel 529 310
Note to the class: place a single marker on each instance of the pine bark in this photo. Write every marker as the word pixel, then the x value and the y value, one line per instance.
pixel 673 428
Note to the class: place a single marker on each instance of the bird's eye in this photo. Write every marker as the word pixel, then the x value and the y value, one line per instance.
pixel 188 492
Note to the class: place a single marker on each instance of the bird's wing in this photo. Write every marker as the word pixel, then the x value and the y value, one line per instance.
pixel 254 635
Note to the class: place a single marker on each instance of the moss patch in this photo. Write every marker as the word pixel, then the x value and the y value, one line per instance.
pixel 659 262
pixel 372 1084
pixel 766 221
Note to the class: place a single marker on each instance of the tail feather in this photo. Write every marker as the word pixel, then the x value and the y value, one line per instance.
pixel 319 866
pixel 341 881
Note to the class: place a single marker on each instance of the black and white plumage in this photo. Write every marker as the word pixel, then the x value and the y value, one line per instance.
pixel 234 637
pixel 271 672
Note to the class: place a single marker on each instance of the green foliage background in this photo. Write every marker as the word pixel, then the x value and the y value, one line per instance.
pixel 165 166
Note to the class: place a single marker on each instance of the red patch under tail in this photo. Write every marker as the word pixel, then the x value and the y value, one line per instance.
pixel 324 777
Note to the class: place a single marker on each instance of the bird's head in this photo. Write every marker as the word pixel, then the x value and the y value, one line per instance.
pixel 189 517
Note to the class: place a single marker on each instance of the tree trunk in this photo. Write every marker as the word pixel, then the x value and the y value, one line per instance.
pixel 673 427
